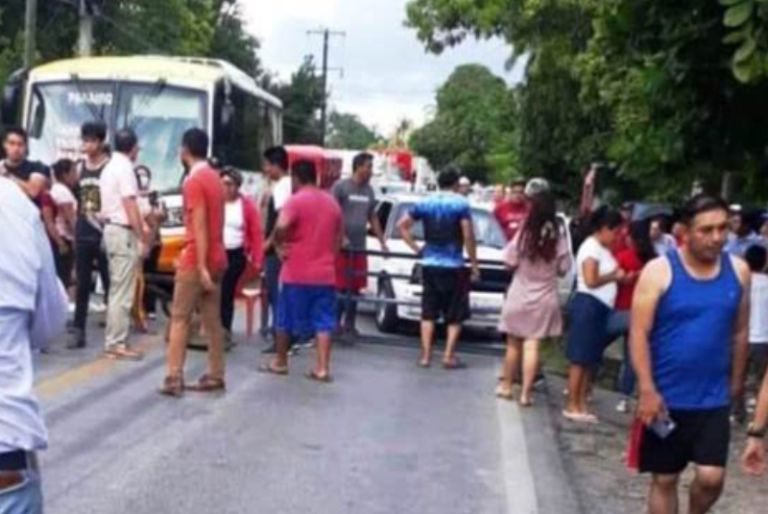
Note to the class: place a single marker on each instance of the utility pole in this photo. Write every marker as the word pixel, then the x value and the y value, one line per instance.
pixel 85 39
pixel 327 34
pixel 30 42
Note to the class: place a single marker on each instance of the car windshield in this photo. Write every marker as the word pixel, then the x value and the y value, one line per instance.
pixel 487 230
pixel 158 113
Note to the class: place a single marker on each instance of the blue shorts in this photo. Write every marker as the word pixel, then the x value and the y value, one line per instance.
pixel 304 310
pixel 588 330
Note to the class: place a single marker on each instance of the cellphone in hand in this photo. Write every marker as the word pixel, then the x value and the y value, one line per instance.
pixel 663 426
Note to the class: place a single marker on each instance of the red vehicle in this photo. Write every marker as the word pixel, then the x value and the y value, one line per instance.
pixel 328 166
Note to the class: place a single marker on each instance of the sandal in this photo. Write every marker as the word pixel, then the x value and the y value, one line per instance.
pixel 527 402
pixel 454 365
pixel 323 379
pixel 123 354
pixel 269 369
pixel 208 384
pixel 576 417
pixel 424 364
pixel 173 387
pixel 505 394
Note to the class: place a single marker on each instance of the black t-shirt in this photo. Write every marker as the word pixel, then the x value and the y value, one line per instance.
pixel 88 194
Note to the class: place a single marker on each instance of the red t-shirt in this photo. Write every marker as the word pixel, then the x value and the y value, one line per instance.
pixel 204 187
pixel 511 217
pixel 621 244
pixel 630 262
pixel 314 227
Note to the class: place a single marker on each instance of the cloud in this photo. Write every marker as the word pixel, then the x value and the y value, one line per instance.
pixel 387 74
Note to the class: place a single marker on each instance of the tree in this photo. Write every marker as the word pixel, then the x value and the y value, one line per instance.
pixel 201 28
pixel 302 98
pixel 349 132
pixel 473 126
pixel 653 86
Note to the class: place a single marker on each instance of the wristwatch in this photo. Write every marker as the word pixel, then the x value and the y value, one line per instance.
pixel 756 433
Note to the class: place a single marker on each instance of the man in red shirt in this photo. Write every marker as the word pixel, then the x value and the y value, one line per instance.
pixel 512 213
pixel 200 269
pixel 308 237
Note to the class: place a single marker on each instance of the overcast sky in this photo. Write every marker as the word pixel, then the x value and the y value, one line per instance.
pixel 387 74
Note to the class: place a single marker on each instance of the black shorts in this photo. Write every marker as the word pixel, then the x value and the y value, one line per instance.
pixel 445 294
pixel 702 437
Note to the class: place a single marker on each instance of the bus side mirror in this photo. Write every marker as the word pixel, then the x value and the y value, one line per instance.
pixel 227 122
pixel 12 97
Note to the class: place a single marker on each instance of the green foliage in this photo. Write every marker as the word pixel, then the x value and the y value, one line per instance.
pixel 302 98
pixel 347 131
pixel 203 28
pixel 670 92
pixel 473 126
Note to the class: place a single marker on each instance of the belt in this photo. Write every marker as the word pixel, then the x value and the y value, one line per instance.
pixel 17 461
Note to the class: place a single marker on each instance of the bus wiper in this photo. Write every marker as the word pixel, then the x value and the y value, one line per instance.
pixel 99 116
pixel 147 100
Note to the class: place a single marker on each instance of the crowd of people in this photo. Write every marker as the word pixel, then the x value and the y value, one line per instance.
pixel 690 306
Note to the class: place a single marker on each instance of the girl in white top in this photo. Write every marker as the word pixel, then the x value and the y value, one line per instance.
pixel 598 273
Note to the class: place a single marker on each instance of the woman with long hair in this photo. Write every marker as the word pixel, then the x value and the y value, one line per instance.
pixel 639 252
pixel 538 254
pixel 598 275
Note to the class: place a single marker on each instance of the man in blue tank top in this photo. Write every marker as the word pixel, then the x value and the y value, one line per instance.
pixel 689 339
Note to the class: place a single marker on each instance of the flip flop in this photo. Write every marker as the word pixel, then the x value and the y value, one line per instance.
pixel 268 369
pixel 424 365
pixel 587 419
pixel 312 375
pixel 530 402
pixel 454 365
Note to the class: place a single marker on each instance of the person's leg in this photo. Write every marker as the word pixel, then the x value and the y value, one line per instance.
pixel 210 312
pixel 577 386
pixel 122 249
pixel 530 369
pixel 232 275
pixel 103 264
pixel 150 268
pixel 186 295
pixel 706 488
pixel 452 342
pixel 85 255
pixel 628 378
pixel 511 365
pixel 282 341
pixel 663 494
pixel 324 345
pixel 427 338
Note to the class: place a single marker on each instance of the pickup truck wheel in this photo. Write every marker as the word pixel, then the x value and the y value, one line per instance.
pixel 387 320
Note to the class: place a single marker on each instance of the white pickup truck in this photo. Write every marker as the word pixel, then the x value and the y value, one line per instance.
pixel 397 280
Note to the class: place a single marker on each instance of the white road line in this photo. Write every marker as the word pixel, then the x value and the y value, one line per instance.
pixel 518 478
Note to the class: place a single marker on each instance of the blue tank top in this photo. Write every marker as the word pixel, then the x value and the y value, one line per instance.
pixel 692 337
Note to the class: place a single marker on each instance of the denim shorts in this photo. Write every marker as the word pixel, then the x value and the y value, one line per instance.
pixel 306 310
pixel 24 498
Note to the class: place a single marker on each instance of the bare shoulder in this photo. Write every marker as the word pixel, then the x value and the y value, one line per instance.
pixel 657 275
pixel 742 269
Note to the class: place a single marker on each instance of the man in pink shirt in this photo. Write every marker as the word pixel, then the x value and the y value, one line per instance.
pixel 308 237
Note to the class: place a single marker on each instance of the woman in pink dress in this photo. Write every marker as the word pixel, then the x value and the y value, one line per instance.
pixel 538 255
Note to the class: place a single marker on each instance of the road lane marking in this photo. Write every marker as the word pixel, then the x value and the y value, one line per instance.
pixel 518 477
pixel 54 387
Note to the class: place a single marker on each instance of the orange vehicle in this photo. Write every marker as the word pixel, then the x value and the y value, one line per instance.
pixel 328 166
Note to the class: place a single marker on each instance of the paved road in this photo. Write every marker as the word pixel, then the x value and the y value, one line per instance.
pixel 386 437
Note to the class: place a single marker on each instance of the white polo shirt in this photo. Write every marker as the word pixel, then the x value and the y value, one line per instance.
pixel 118 181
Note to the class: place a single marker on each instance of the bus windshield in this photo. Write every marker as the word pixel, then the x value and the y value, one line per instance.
pixel 160 114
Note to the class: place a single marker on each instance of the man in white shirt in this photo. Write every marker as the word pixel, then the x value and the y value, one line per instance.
pixel 33 310
pixel 276 168
pixel 125 242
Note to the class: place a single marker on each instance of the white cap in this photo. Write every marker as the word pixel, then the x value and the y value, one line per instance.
pixel 464 181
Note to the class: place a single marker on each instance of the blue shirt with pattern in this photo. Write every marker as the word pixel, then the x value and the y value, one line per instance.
pixel 441 215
